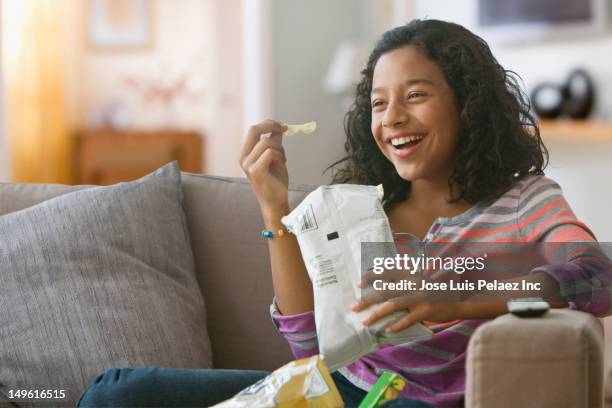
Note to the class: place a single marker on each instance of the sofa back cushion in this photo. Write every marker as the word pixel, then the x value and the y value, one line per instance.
pixel 233 267
pixel 97 278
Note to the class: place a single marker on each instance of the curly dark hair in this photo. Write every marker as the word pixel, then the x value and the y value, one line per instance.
pixel 499 141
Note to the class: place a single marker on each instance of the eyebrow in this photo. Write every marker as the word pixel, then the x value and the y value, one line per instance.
pixel 407 83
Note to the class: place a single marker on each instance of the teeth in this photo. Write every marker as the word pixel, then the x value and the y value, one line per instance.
pixel 399 141
pixel 402 140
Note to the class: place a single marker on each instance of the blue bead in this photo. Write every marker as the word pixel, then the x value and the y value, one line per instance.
pixel 266 233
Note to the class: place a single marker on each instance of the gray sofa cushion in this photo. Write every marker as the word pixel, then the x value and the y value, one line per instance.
pixel 101 277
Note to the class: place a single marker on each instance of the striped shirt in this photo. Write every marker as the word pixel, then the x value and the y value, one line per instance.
pixel 533 210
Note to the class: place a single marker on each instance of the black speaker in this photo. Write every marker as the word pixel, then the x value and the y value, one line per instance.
pixel 578 95
pixel 574 99
pixel 547 99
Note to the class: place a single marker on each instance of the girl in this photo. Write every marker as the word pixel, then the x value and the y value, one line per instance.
pixel 449 134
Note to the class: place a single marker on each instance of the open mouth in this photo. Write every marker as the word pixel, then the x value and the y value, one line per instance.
pixel 406 142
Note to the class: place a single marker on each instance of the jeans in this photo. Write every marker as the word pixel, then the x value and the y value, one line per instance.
pixel 175 387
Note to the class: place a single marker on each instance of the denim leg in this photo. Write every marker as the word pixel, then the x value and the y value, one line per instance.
pixel 166 387
pixel 405 403
pixel 174 387
pixel 350 394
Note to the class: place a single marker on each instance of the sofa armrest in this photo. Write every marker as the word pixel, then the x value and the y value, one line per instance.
pixel 551 361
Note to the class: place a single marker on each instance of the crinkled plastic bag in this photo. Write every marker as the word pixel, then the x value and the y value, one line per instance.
pixel 330 225
pixel 304 383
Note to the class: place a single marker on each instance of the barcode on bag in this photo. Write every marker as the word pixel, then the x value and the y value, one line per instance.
pixel 307 220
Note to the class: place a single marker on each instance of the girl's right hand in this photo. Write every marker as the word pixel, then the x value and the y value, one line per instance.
pixel 262 159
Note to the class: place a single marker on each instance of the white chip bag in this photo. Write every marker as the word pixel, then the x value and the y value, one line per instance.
pixel 330 225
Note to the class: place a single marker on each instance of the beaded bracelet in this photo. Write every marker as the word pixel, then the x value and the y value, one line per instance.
pixel 266 233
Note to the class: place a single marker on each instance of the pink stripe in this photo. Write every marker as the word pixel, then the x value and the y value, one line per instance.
pixel 546 223
pixel 543 181
pixel 509 202
pixel 570 232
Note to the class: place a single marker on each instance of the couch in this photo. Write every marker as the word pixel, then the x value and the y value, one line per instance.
pixel 552 361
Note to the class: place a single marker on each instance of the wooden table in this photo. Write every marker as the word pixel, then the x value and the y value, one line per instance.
pixel 110 156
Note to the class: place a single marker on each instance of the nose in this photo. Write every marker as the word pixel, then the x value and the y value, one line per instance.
pixel 395 115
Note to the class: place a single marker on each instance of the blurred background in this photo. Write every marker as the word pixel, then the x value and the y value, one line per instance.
pixel 100 91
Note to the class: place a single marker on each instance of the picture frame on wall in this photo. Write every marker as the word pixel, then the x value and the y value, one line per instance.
pixel 120 24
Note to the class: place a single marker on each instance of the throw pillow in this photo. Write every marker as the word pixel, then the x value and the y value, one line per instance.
pixel 98 278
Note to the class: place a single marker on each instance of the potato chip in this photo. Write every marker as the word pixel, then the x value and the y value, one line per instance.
pixel 305 128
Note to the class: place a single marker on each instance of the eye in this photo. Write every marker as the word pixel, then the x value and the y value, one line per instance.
pixel 377 102
pixel 413 95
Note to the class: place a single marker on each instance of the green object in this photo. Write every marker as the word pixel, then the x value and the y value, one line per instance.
pixel 388 387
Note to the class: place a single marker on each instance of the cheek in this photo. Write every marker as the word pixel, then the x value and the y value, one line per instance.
pixel 451 129
pixel 445 120
pixel 377 135
pixel 376 125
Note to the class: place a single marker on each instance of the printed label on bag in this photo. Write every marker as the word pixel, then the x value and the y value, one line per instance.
pixel 326 275
pixel 307 220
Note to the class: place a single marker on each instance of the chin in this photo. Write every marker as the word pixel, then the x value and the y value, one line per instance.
pixel 406 174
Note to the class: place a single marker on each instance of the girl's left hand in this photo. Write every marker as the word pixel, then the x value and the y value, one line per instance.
pixel 436 311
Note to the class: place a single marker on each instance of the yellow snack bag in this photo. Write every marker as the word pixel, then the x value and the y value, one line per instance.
pixel 304 383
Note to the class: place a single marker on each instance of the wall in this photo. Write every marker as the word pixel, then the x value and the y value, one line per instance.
pixel 304 38
pixel 583 170
pixel 180 45
pixel 4 165
pixel 189 37
pixel 225 107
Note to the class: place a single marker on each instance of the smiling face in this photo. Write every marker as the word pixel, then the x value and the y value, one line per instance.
pixel 414 119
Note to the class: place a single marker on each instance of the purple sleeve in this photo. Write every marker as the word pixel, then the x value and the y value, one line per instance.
pixel 299 330
pixel 575 259
pixel 585 282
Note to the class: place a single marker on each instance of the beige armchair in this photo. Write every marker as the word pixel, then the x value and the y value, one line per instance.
pixel 552 361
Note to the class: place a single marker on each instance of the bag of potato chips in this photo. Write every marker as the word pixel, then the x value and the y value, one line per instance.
pixel 304 383
pixel 331 224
